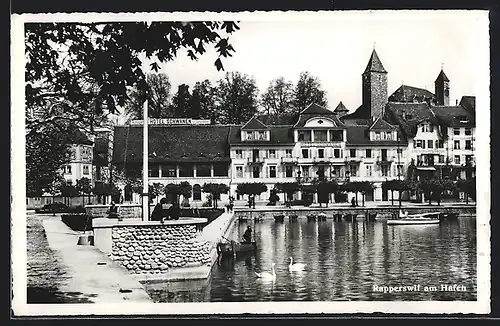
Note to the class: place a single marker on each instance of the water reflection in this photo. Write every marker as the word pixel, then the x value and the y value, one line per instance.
pixel 344 262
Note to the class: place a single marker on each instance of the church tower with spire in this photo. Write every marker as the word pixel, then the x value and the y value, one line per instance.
pixel 374 87
pixel 442 89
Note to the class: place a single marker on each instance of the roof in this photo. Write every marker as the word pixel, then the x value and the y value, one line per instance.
pixel 303 118
pixel 205 143
pixel 442 77
pixel 381 124
pixel 359 135
pixel 340 108
pixel 454 116
pixel 410 94
pixel 374 64
pixel 79 138
pixel 361 112
pixel 254 124
pixel 279 135
pixel 469 103
pixel 278 119
pixel 315 109
pixel 408 116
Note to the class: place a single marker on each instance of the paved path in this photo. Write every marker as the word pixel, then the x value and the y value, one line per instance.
pixel 88 275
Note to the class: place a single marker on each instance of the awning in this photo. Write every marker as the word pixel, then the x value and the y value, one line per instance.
pixel 426 168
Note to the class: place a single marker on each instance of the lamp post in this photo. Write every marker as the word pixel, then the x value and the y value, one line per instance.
pixel 145 167
pixel 399 171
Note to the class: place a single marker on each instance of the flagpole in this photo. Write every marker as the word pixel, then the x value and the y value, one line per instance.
pixel 145 168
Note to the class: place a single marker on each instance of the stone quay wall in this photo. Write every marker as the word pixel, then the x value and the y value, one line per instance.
pixel 151 247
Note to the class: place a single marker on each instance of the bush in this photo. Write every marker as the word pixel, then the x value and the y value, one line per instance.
pixel 77 222
pixel 340 197
pixel 53 207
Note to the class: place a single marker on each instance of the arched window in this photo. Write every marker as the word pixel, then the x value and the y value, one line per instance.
pixel 196 192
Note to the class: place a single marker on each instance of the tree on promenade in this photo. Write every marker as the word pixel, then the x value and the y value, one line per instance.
pixel 215 189
pixel 468 187
pixel 84 187
pixel 174 190
pixel 68 191
pixel 156 190
pixel 288 188
pixel 251 189
pixel 365 187
pixel 392 185
pixel 324 191
pixel 434 188
pixel 158 94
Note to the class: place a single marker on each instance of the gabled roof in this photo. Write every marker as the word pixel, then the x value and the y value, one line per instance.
pixel 381 124
pixel 278 119
pixel 469 103
pixel 359 135
pixel 79 138
pixel 408 115
pixel 206 143
pixel 340 108
pixel 407 93
pixel 374 64
pixel 361 113
pixel 442 77
pixel 315 109
pixel 254 124
pixel 279 135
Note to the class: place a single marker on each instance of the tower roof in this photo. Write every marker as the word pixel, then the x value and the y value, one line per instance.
pixel 374 64
pixel 340 108
pixel 442 77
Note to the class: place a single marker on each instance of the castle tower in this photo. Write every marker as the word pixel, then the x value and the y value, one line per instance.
pixel 442 89
pixel 374 87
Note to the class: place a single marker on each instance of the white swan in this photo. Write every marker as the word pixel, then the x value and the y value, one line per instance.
pixel 266 275
pixel 296 266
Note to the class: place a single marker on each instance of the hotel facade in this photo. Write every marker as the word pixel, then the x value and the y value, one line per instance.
pixel 379 141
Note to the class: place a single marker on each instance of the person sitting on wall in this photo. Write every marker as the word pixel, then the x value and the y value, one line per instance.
pixel 157 214
pixel 113 211
pixel 247 236
pixel 174 211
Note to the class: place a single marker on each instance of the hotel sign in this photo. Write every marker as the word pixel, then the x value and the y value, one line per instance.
pixel 175 121
pixel 321 144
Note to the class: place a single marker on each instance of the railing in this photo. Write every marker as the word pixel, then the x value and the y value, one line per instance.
pixel 353 159
pixel 385 159
pixel 290 160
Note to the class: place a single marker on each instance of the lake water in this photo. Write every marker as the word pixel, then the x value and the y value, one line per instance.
pixel 345 261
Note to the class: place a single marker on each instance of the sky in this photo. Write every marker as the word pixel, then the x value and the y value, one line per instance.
pixel 336 47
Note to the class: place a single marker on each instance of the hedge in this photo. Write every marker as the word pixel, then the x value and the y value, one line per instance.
pixel 78 222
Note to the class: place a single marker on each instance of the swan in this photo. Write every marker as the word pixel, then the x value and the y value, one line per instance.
pixel 266 275
pixel 296 266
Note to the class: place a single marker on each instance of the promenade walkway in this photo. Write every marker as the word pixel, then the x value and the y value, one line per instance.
pixel 91 273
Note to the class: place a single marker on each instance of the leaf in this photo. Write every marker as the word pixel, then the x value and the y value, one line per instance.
pixel 218 65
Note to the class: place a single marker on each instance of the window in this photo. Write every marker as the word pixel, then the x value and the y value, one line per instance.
pixel 288 171
pixel 256 172
pixel 239 172
pixel 468 158
pixel 399 170
pixel 305 171
pixel 321 153
pixel 468 131
pixel 262 135
pixel 399 151
pixel 305 153
pixel 353 170
pixel 352 152
pixel 203 170
pixel 249 135
pixel 336 152
pixel 468 144
pixel 69 182
pixel 272 153
pixel 154 171
pixel 320 135
pixel 67 170
pixel 221 170
pixel 196 192
pixel 430 144
pixel 456 144
pixel 369 171
pixel 441 158
pixel 456 131
pixel 304 136
pixel 185 171
pixel 288 153
pixel 439 144
pixel 168 171
pixel 272 171
pixel 388 135
pixel 336 135
pixel 239 153
pixel 386 172
pixel 457 159
pixel 377 135
pixel 85 169
pixel 431 128
pixel 368 153
pixel 422 144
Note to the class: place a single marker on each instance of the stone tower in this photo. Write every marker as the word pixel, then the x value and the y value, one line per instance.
pixel 442 89
pixel 374 87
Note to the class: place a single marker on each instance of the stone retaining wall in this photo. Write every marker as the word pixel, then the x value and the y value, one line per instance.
pixel 125 210
pixel 158 248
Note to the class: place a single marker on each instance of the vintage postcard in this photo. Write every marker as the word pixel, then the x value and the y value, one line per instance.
pixel 256 162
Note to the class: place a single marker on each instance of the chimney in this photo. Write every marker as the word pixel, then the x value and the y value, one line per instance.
pixel 456 102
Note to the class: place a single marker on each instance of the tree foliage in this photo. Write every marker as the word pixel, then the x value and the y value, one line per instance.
pixel 215 190
pixel 251 188
pixel 174 190
pixel 288 188
pixel 181 102
pixel 236 98
pixel 203 102
pixel 308 90
pixel 155 190
pixel 278 97
pixel 157 93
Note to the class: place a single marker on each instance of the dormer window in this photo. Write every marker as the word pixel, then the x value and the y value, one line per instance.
pixel 255 135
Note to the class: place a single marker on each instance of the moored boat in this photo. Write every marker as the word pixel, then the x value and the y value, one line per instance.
pixel 234 248
pixel 416 219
